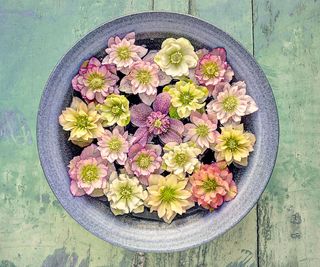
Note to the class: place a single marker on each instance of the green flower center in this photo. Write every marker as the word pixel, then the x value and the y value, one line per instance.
pixel 144 160
pixel 143 76
pixel 168 194
pixel 157 123
pixel 115 144
pixel 96 81
pixel 209 185
pixel 176 57
pixel 232 144
pixel 202 130
pixel 186 98
pixel 230 103
pixel 181 158
pixel 116 110
pixel 123 53
pixel 211 69
pixel 126 192
pixel 82 122
pixel 89 173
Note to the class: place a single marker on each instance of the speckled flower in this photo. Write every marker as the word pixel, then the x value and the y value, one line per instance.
pixel 125 194
pixel 89 173
pixel 234 144
pixel 202 130
pixel 168 196
pixel 156 122
pixel 180 158
pixel 143 161
pixel 186 97
pixel 114 146
pixel 114 110
pixel 212 185
pixel 95 80
pixel 232 103
pixel 123 52
pixel 83 122
pixel 176 57
pixel 213 68
pixel 143 79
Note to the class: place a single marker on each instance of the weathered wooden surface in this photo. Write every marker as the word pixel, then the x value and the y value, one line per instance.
pixel 284 35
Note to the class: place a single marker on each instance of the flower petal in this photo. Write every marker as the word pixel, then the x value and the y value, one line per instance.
pixel 170 136
pixel 139 114
pixel 162 103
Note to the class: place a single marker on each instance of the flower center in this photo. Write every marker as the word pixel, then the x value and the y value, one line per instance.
pixel 202 130
pixel 230 103
pixel 144 160
pixel 186 98
pixel 158 123
pixel 116 110
pixel 82 121
pixel 181 158
pixel 209 185
pixel 126 192
pixel 143 76
pixel 211 70
pixel 96 81
pixel 176 57
pixel 167 194
pixel 232 143
pixel 115 144
pixel 123 53
pixel 89 173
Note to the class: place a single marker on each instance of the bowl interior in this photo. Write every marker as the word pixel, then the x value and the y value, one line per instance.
pixel 145 232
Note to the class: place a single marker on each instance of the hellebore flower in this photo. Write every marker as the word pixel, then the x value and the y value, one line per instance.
pixel 83 122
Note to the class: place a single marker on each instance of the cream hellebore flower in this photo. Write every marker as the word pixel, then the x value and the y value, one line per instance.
pixel 234 145
pixel 176 57
pixel 186 97
pixel 83 122
pixel 125 194
pixel 115 109
pixel 180 159
pixel 168 196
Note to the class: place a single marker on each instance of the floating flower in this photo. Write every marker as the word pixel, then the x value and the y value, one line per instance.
pixel 176 57
pixel 143 161
pixel 180 158
pixel 115 109
pixel 89 173
pixel 202 130
pixel 186 97
pixel 212 185
pixel 114 146
pixel 213 68
pixel 95 80
pixel 143 79
pixel 125 194
pixel 156 122
pixel 232 103
pixel 123 52
pixel 234 145
pixel 83 122
pixel 168 196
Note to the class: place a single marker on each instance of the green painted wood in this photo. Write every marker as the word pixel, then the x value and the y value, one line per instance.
pixel 180 6
pixel 286 38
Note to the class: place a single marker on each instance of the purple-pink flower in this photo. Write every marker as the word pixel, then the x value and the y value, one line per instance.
pixel 143 161
pixel 95 80
pixel 89 173
pixel 156 122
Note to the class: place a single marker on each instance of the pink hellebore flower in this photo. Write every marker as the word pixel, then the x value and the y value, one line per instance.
pixel 156 122
pixel 123 52
pixel 95 81
pixel 143 161
pixel 89 173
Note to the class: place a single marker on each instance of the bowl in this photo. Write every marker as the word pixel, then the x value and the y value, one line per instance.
pixel 144 233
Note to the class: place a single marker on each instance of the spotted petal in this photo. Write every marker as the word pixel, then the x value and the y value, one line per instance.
pixel 139 114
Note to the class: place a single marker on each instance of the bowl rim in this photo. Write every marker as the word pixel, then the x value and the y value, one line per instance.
pixel 90 229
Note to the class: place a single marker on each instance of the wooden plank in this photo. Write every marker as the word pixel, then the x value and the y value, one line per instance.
pixel 180 6
pixel 286 40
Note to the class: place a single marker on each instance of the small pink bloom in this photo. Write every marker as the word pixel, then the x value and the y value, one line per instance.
pixel 89 173
pixel 95 81
pixel 212 184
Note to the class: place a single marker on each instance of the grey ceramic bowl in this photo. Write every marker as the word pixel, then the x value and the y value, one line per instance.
pixel 143 234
